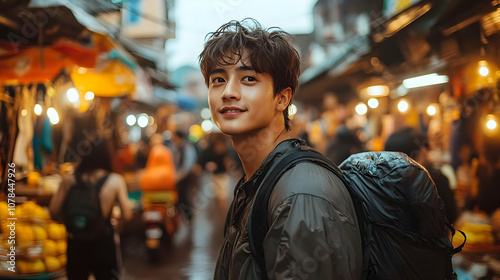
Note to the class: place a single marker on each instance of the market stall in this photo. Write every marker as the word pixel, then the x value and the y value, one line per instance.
pixel 64 70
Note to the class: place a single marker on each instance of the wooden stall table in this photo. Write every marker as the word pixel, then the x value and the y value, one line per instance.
pixel 38 194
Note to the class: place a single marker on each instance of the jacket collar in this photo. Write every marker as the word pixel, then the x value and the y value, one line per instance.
pixel 250 186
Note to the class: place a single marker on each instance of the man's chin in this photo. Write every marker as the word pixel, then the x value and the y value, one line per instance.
pixel 232 131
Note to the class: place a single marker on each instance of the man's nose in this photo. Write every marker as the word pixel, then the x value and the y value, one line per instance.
pixel 232 90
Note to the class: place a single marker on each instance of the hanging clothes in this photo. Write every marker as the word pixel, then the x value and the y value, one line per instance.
pixel 42 142
pixel 26 129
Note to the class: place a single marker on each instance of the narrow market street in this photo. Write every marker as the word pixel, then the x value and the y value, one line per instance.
pixel 126 124
pixel 194 249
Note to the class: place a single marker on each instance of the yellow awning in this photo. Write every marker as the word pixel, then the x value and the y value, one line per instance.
pixel 114 79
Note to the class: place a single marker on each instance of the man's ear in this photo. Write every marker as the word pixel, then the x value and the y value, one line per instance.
pixel 284 98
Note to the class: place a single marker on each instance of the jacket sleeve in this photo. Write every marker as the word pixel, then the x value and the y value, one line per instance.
pixel 313 229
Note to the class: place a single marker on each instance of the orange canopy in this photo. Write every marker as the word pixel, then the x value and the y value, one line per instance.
pixel 26 66
pixel 79 55
pixel 38 64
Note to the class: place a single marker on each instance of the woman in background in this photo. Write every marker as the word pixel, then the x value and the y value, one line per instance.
pixel 94 169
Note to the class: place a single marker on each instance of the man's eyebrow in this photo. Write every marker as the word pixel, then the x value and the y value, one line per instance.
pixel 217 70
pixel 245 68
pixel 239 68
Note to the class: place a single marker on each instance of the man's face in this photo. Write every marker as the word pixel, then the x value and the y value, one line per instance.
pixel 241 100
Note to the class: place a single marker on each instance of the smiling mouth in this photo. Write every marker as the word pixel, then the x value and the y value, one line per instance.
pixel 232 112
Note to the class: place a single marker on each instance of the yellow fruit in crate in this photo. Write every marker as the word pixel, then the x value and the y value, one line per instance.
pixel 61 247
pixel 4 210
pixel 52 230
pixel 49 248
pixel 28 209
pixel 4 227
pixel 23 267
pixel 52 263
pixel 42 213
pixel 29 203
pixel 37 266
pixel 62 259
pixel 18 212
pixel 63 232
pixel 56 231
pixel 40 233
pixel 33 179
pixel 24 233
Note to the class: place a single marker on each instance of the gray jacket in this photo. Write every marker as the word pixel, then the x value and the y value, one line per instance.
pixel 313 227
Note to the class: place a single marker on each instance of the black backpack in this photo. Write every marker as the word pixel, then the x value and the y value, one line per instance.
pixel 402 220
pixel 82 210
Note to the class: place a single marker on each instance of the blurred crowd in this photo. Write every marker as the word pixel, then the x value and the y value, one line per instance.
pixel 466 177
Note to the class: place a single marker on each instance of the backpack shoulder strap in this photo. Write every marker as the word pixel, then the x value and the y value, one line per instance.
pixel 257 225
pixel 100 183
pixel 98 186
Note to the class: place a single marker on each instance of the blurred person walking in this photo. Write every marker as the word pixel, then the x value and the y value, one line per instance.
pixel 485 188
pixel 216 156
pixel 185 158
pixel 251 74
pixel 345 143
pixel 92 243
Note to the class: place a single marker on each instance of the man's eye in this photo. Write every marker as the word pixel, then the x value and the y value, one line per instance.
pixel 217 80
pixel 249 79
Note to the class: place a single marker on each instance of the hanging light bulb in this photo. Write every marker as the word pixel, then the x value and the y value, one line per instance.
pixel 483 68
pixel 491 122
pixel 73 95
pixel 403 106
pixel 432 110
pixel 143 120
pixel 373 103
pixel 38 109
pixel 131 120
pixel 361 108
pixel 89 95
pixel 53 115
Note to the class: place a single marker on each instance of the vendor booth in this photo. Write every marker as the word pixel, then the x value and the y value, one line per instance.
pixel 47 80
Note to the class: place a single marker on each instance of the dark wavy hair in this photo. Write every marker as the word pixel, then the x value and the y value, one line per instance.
pixel 269 51
pixel 94 154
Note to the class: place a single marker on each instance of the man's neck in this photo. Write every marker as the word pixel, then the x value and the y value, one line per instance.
pixel 253 149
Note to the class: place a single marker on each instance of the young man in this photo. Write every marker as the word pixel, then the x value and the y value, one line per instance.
pixel 251 74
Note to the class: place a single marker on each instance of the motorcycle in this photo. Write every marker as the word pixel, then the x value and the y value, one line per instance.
pixel 161 221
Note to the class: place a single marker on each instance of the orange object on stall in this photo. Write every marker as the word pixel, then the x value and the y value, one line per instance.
pixel 159 174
